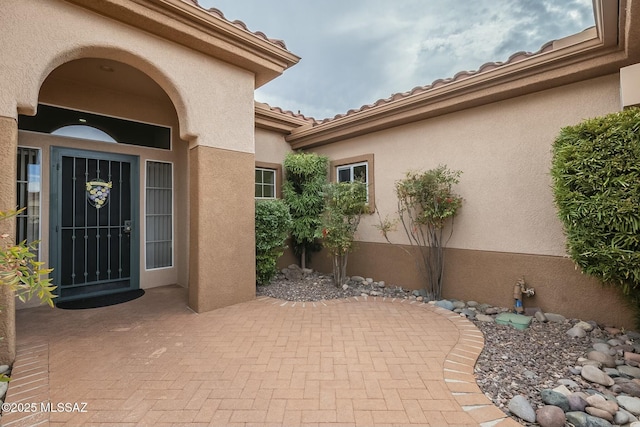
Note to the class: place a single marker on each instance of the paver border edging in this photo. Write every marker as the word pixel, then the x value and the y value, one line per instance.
pixel 459 363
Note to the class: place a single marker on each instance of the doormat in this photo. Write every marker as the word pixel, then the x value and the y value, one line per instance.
pixel 101 301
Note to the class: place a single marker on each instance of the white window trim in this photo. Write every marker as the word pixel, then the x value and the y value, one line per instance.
pixel 275 183
pixel 173 212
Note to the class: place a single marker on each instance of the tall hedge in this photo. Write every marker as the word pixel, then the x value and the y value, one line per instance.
pixel 305 178
pixel 596 174
pixel 273 222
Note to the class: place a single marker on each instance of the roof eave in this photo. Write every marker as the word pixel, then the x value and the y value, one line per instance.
pixel 572 59
pixel 266 118
pixel 198 29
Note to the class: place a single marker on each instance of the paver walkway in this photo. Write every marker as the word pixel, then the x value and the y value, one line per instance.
pixel 152 361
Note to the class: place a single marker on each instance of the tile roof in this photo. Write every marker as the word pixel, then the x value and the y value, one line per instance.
pixel 218 14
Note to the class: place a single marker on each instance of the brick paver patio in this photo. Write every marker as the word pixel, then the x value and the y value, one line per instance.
pixel 153 361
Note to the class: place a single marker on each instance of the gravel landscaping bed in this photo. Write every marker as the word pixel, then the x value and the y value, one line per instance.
pixel 517 368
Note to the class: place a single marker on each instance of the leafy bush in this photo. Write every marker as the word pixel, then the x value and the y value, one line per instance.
pixel 305 178
pixel 426 202
pixel 21 271
pixel 596 175
pixel 273 222
pixel 345 203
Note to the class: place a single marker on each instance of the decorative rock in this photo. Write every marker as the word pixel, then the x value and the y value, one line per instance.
pixel 4 369
pixel 469 313
pixel 620 418
pixel 555 318
pixel 613 373
pixel 472 303
pixel 577 403
pixel 600 413
pixel 529 374
pixel 632 418
pixel 602 347
pixel 580 419
pixel 3 389
pixel 345 287
pixel 369 280
pixel 569 383
pixel 563 390
pixel 381 284
pixel 520 406
pixel 554 398
pixel 630 371
pixel 459 304
pixel 614 342
pixel 540 317
pixel 550 416
pixel 357 278
pixel 576 332
pixel 448 305
pixel 484 318
pixel 293 272
pixel 631 388
pixel 492 310
pixel 605 359
pixel 613 331
pixel 584 325
pixel 631 404
pixel 595 375
pixel 605 405
pixel 631 356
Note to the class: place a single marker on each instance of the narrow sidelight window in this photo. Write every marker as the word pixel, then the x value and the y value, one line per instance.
pixel 28 193
pixel 159 215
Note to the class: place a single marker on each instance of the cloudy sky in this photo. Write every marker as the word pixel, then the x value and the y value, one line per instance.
pixel 355 52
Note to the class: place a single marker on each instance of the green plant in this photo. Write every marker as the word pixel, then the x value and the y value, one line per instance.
pixel 21 272
pixel 426 203
pixel 273 222
pixel 305 177
pixel 345 203
pixel 596 186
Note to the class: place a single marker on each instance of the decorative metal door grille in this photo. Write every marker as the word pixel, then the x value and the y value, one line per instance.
pixel 95 233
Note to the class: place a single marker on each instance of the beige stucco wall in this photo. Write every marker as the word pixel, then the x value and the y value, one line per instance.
pixel 504 151
pixel 271 146
pixel 208 103
pixel 214 100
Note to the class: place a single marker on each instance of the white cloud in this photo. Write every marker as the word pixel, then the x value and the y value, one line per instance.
pixel 357 51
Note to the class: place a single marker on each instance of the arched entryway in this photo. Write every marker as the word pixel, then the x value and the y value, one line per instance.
pixel 105 145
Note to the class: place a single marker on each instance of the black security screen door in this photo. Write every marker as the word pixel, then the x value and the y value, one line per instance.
pixel 94 232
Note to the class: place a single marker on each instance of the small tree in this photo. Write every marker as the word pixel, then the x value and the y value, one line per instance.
pixel 273 222
pixel 426 203
pixel 596 175
pixel 345 203
pixel 306 176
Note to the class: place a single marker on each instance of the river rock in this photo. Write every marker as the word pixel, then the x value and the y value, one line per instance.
pixel 357 278
pixel 554 398
pixel 520 406
pixel 492 310
pixel 550 416
pixel 631 404
pixel 576 332
pixel 602 347
pixel 580 419
pixel 577 402
pixel 631 388
pixel 472 303
pixel 620 418
pixel 484 318
pixel 540 317
pixel 605 359
pixel 458 304
pixel 446 304
pixel 584 325
pixel 629 356
pixel 600 413
pixel 563 390
pixel 595 375
pixel 555 318
pixel 571 384
pixel 606 405
pixel 629 371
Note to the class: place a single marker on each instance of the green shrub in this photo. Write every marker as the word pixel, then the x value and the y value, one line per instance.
pixel 345 203
pixel 305 178
pixel 273 222
pixel 596 174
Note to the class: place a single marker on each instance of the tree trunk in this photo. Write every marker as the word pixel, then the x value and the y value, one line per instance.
pixel 303 258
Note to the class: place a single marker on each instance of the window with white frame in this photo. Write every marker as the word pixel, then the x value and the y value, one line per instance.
pixel 356 168
pixel 159 215
pixel 28 195
pixel 265 183
pixel 353 172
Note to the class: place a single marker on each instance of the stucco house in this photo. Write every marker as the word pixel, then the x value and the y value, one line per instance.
pixel 129 130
